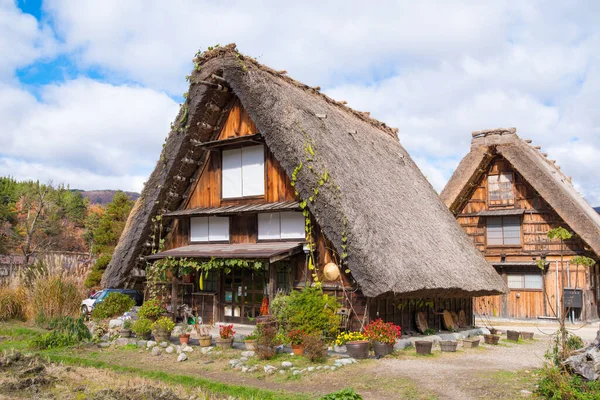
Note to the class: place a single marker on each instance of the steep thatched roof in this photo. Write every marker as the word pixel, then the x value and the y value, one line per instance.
pixel 543 174
pixel 401 238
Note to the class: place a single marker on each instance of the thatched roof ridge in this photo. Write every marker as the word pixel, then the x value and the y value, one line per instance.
pixel 542 174
pixel 400 236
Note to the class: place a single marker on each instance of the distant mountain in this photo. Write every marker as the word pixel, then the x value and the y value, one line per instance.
pixel 105 196
pixel 597 209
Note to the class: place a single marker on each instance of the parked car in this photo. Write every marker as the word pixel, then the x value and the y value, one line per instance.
pixel 88 305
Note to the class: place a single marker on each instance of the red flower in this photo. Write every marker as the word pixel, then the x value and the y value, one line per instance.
pixel 385 332
pixel 226 331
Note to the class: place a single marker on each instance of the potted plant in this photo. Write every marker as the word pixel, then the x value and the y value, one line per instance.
pixel 142 328
pixel 184 333
pixel 203 331
pixel 161 329
pixel 356 344
pixel 383 335
pixel 251 342
pixel 125 331
pixel 151 309
pixel 296 339
pixel 225 339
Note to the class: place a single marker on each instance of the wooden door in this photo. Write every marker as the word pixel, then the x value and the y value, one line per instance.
pixel 242 294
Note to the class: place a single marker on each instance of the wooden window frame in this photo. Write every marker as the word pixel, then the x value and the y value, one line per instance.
pixel 514 198
pixel 503 246
pixel 210 241
pixel 524 289
pixel 265 162
pixel 258 240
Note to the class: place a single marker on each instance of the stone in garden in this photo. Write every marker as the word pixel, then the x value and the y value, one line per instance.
pixel 105 338
pixel 402 344
pixel 233 363
pixel 292 354
pixel 164 345
pixel 586 361
pixel 310 369
pixel 142 343
pixel 482 331
pixel 352 360
pixel 333 368
pixel 319 367
pixel 182 357
pixel 326 367
pixel 297 372
pixel 244 369
pixel 132 341
pixel 122 342
pixel 206 350
pixel 340 349
pixel 281 372
pixel 178 349
pixel 169 350
pixel 269 369
pixel 286 365
pixel 103 345
pixel 115 323
pixel 253 369
pixel 243 359
pixel 344 361
pixel 156 351
pixel 244 353
pixel 187 349
pixel 150 343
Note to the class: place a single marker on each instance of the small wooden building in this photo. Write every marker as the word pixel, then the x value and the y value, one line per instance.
pixel 507 195
pixel 262 168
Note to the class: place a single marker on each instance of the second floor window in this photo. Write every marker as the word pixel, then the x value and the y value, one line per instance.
pixel 500 189
pixel 209 229
pixel 504 231
pixel 281 225
pixel 243 172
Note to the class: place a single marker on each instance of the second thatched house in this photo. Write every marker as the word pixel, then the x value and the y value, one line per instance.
pixel 507 196
pixel 266 185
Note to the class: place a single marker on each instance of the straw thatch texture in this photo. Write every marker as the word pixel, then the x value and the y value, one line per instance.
pixel 542 174
pixel 401 237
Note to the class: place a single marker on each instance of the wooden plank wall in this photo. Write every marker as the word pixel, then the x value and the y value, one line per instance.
pixel 538 219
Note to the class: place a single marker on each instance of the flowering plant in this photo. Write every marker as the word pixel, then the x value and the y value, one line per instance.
pixel 226 331
pixel 296 337
pixel 264 306
pixel 346 337
pixel 385 332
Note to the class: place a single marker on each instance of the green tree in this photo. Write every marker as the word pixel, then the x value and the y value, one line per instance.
pixel 111 224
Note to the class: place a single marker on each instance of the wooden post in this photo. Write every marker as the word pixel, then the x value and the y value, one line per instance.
pixel 174 295
pixel 272 280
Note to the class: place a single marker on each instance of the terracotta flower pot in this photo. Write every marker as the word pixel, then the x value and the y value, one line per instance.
pixel 205 341
pixel 251 345
pixel 184 339
pixel 382 349
pixel 491 339
pixel 298 349
pixel 358 349
pixel 448 346
pixel 513 335
pixel 224 343
pixel 423 347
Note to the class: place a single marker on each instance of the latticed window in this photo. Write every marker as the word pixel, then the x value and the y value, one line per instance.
pixel 500 189
pixel 503 231
pixel 525 281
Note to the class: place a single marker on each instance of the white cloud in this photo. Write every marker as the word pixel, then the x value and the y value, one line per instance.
pixel 83 130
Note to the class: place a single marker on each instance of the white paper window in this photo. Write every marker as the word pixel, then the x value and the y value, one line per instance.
pixel 209 229
pixel 525 281
pixel 243 172
pixel 281 225
pixel 515 281
pixel 503 231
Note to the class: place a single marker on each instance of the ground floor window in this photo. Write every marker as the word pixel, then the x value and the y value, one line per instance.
pixel 525 281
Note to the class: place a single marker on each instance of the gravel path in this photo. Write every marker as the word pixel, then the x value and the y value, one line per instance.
pixel 458 375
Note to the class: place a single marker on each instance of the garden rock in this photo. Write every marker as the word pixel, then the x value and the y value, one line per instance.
pixel 206 350
pixel 281 372
pixel 310 369
pixel 244 353
pixel 131 341
pixel 333 368
pixel 164 345
pixel 269 369
pixel 156 351
pixel 586 361
pixel 115 323
pixel 244 369
pixel 187 349
pixel 286 365
pixel 243 359
pixel 296 372
pixel 105 338
pixel 178 349
pixel 345 361
pixel 121 342
pixel 253 369
pixel 142 343
pixel 340 349
pixel 150 343
pixel 480 331
pixel 402 344
pixel 169 350
pixel 103 345
pixel 182 357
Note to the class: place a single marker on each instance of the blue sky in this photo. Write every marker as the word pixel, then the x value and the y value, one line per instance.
pixel 88 89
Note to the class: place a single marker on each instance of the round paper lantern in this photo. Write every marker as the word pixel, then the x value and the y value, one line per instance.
pixel 331 272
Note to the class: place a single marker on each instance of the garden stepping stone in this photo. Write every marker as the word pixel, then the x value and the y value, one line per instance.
pixel 206 350
pixel 121 342
pixel 310 369
pixel 253 369
pixel 169 350
pixel 286 365
pixel 150 343
pixel 115 323
pixel 269 369
pixel 244 353
pixel 182 357
pixel 142 343
pixel 164 345
pixel 233 363
pixel 103 345
pixel 243 359
pixel 244 369
pixel 187 349
pixel 297 372
pixel 156 351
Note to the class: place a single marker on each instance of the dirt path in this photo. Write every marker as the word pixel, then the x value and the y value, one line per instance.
pixel 473 374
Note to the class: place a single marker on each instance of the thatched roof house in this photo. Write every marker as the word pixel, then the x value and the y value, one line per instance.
pixel 541 197
pixel 400 237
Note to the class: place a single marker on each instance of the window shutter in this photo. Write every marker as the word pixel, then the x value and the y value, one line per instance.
pixel 494 231
pixel 218 229
pixel 292 225
pixel 199 229
pixel 269 227
pixel 253 171
pixel 512 230
pixel 232 173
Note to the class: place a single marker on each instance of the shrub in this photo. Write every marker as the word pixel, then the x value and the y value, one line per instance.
pixel 127 324
pixel 556 383
pixel 142 327
pixel 163 323
pixel 266 341
pixel 151 309
pixel 573 343
pixel 66 331
pixel 314 348
pixel 54 296
pixel 113 305
pixel 346 337
pixel 309 310
pixel 344 394
pixel 12 304
pixel 95 275
pixel 385 332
